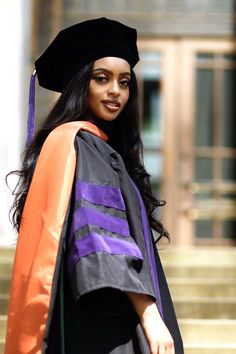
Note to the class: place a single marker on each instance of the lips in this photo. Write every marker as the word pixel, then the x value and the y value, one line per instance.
pixel 111 105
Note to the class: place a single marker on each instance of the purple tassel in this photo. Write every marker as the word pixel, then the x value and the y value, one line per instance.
pixel 31 109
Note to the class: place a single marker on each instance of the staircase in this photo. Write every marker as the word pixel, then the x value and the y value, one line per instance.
pixel 6 260
pixel 203 287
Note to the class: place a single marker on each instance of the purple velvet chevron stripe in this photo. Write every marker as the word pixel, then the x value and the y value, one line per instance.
pixel 149 247
pixel 84 216
pixel 31 109
pixel 102 195
pixel 94 242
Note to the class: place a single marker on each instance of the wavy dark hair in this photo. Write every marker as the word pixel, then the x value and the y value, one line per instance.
pixel 72 106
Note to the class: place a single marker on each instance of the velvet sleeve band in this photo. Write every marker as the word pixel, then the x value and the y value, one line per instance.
pixel 102 249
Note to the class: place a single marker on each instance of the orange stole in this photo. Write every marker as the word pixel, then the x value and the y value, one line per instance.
pixel 38 242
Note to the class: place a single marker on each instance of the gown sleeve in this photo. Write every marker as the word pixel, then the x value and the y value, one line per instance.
pixel 102 250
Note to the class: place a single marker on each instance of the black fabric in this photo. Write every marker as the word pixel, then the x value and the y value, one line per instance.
pixel 81 44
pixel 98 317
pixel 106 126
pixel 52 341
pixel 101 269
pixel 89 333
pixel 168 308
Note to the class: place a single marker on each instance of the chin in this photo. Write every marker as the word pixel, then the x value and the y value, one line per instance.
pixel 108 118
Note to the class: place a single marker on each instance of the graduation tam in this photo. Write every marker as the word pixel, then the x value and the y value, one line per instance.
pixel 76 46
pixel 83 43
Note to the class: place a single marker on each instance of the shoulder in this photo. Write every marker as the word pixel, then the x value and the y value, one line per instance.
pixel 68 131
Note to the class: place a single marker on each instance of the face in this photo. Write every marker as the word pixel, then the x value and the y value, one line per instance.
pixel 108 90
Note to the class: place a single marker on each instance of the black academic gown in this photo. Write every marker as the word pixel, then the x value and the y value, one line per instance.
pixel 107 249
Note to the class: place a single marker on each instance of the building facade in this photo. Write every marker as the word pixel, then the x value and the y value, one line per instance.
pixel 187 84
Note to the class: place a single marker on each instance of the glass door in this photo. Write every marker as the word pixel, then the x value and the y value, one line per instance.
pixel 155 73
pixel 211 185
pixel 149 80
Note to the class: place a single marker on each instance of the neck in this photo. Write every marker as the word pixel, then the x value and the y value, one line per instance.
pixel 104 125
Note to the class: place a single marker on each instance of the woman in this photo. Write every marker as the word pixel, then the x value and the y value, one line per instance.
pixel 87 278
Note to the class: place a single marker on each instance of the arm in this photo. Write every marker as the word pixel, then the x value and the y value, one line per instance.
pixel 156 332
pixel 102 250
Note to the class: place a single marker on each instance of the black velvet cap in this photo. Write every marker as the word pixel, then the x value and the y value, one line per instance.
pixel 81 44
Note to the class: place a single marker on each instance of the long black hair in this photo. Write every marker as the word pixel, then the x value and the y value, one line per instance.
pixel 72 106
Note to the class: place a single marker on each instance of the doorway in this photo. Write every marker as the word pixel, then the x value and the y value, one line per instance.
pixel 187 92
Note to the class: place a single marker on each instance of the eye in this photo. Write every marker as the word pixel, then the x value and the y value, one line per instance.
pixel 124 83
pixel 101 79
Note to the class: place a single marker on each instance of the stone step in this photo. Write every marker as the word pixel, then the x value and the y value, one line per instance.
pixel 208 331
pixel 178 287
pixel 7 251
pixel 192 330
pixel 209 272
pixel 214 308
pixel 176 262
pixel 208 336
pixel 210 348
pixel 3 324
pixel 5 282
pixel 6 264
pixel 171 271
pixel 2 346
pixel 200 262
pixel 202 287
pixel 199 337
pixel 223 256
pixel 187 256
pixel 3 304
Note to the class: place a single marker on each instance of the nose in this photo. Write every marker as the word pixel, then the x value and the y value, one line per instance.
pixel 114 89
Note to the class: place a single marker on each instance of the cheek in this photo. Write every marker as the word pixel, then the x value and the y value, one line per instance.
pixel 125 97
pixel 89 94
pixel 94 93
pixel 91 100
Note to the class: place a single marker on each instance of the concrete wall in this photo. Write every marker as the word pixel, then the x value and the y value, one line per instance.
pixel 160 17
pixel 14 39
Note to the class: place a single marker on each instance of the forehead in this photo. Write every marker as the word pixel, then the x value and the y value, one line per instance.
pixel 113 64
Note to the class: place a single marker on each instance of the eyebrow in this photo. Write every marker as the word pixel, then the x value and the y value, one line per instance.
pixel 110 72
